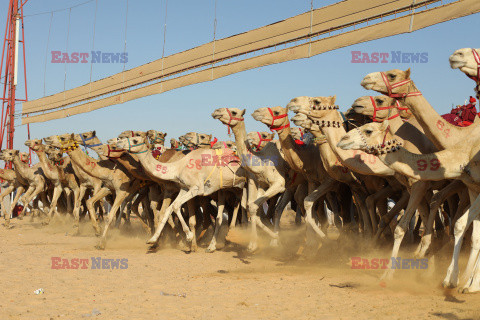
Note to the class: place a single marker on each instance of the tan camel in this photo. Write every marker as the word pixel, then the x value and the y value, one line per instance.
pixel 305 160
pixel 467 60
pixel 61 180
pixel 258 140
pixel 268 170
pixel 382 108
pixel 192 173
pixel 32 175
pixel 377 139
pixel 12 182
pixel 174 143
pixel 115 178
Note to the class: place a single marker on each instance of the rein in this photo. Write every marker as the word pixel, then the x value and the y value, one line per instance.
pixel 477 60
pixel 390 87
pixel 275 118
pixel 232 118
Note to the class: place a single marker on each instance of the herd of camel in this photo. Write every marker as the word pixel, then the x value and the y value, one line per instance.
pixel 390 146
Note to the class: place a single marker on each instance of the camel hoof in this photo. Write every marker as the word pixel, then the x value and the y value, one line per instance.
pixel 333 233
pixel 448 285
pixel 210 249
pixel 274 243
pixel 152 241
pixel 252 247
pixel 100 246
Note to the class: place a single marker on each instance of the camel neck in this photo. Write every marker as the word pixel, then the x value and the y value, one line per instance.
pixel 442 133
pixel 21 168
pixel 87 163
pixel 290 149
pixel 159 170
pixel 355 160
pixel 132 166
pixel 240 135
pixel 47 165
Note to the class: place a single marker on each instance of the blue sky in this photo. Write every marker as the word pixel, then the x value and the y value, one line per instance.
pixel 190 23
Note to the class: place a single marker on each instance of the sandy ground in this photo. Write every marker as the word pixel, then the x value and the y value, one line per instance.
pixel 228 284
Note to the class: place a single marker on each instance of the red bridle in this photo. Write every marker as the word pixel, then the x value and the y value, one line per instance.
pixel 301 133
pixel 275 118
pixel 232 118
pixel 23 160
pixel 212 143
pixel 376 108
pixel 390 87
pixel 477 60
pixel 258 146
pixel 111 151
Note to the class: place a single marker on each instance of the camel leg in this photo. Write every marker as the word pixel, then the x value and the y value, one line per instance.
pixel 120 196
pixel 461 226
pixel 372 199
pixel 471 274
pixel 218 221
pixel 360 197
pixel 24 199
pixel 76 211
pixel 192 222
pixel 310 200
pixel 45 203
pixel 146 216
pixel 299 198
pixel 386 219
pixel 57 191
pixel 35 192
pixel 167 200
pixel 235 213
pixel 182 197
pixel 279 208
pixel 103 192
pixel 273 190
pixel 417 193
pixel 68 195
pixel 5 193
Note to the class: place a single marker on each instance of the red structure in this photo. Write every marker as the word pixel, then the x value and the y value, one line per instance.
pixel 14 37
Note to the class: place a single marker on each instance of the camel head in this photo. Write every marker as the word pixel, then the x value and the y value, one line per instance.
pixel 464 59
pixel 197 140
pixel 24 157
pixel 398 81
pixel 229 116
pixel 35 144
pixel 374 137
pixel 225 144
pixel 275 118
pixel 53 154
pixel 302 120
pixel 378 108
pixel 65 142
pixel 297 133
pixel 174 143
pixel 134 145
pixel 304 104
pixel 156 137
pixel 9 154
pixel 258 140
pixel 131 133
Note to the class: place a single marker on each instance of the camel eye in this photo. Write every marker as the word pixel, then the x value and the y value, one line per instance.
pixel 391 76
pixel 234 113
pixel 378 101
pixel 368 131
pixel 264 136
pixel 276 113
pixel 317 102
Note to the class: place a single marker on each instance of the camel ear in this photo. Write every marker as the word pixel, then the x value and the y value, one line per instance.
pixel 164 135
pixel 72 136
pixel 407 73
pixel 94 133
pixel 243 112
pixel 209 137
pixel 333 99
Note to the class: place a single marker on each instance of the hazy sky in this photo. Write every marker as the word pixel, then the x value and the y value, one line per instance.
pixel 190 23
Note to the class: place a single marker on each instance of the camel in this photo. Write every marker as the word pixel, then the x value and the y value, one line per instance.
pixel 174 143
pixel 13 182
pixel 376 138
pixel 193 173
pixel 258 140
pixel 467 60
pixel 63 181
pixel 115 178
pixel 305 160
pixel 33 176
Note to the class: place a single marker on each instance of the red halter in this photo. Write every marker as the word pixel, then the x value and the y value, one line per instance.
pixel 301 133
pixel 385 136
pixel 258 147
pixel 275 118
pixel 477 60
pixel 22 159
pixel 396 85
pixel 110 151
pixel 376 108
pixel 212 143
pixel 232 118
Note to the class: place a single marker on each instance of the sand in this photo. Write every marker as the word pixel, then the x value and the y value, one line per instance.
pixel 228 284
